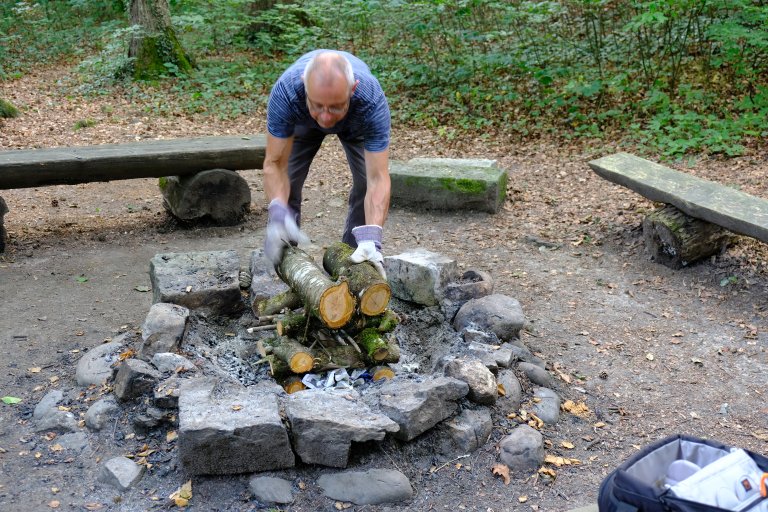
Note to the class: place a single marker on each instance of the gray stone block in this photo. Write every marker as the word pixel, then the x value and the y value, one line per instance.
pixel 135 378
pixel 499 314
pixel 537 374
pixel 548 406
pixel 201 281
pixel 163 329
pixel 325 423
pixel 372 487
pixel 510 400
pixel 271 489
pixel 522 449
pixel 448 184
pixel 121 473
pixel 417 406
pixel 466 432
pixel 225 428
pixel 481 382
pixel 101 413
pixel 95 366
pixel 420 276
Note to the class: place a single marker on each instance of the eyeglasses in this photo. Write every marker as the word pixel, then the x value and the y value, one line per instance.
pixel 334 109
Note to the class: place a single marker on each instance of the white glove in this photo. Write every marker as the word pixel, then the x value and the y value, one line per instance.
pixel 369 247
pixel 282 231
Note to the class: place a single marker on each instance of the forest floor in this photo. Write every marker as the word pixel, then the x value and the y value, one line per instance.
pixel 651 351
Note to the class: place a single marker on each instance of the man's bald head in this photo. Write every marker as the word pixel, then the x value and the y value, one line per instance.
pixel 326 69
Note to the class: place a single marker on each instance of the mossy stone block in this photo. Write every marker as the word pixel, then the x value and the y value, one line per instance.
pixel 448 184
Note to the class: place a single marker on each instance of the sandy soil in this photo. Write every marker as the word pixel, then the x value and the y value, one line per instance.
pixel 651 351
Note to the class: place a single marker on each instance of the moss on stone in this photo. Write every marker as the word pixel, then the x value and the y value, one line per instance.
pixel 465 186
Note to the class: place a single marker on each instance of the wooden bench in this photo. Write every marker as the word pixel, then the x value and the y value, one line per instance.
pixel 700 214
pixel 198 177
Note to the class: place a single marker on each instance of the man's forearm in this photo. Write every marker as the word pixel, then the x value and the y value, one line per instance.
pixel 276 182
pixel 378 188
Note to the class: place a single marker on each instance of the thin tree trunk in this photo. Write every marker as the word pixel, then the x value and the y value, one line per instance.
pixel 365 283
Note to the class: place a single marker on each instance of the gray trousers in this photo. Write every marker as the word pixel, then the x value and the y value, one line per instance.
pixel 306 143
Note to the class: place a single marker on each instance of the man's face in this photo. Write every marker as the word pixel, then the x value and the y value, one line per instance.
pixel 328 103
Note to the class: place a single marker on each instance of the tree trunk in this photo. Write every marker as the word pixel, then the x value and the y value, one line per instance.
pixel 328 301
pixel 675 239
pixel 365 283
pixel 155 49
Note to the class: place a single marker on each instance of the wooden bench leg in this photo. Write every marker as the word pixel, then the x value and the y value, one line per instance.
pixel 3 233
pixel 676 240
pixel 217 194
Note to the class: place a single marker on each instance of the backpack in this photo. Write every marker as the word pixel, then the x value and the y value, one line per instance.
pixel 687 474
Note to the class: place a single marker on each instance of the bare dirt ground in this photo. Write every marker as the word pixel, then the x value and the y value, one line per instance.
pixel 651 351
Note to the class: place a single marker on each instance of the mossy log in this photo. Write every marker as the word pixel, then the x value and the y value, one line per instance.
pixel 299 358
pixel 330 302
pixel 675 239
pixel 365 283
pixel 332 358
pixel 374 344
pixel 278 368
pixel 386 322
pixel 291 324
pixel 285 301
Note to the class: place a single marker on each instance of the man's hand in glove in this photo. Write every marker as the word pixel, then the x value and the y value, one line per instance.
pixel 369 247
pixel 282 231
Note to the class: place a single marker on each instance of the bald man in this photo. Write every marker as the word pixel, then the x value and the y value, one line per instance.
pixel 328 92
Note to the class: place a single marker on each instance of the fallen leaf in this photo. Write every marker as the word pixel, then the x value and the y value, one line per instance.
pixel 126 354
pixel 579 409
pixel 548 472
pixel 599 424
pixel 142 288
pixel 54 379
pixel 171 436
pixel 57 448
pixel 522 499
pixel 182 495
pixel 501 470
pixel 237 407
pixel 36 369
pixel 649 356
pixel 11 400
pixel 54 504
pixel 500 389
pixel 93 506
pixel 567 444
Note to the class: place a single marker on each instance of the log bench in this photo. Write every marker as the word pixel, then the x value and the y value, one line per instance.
pixel 699 217
pixel 197 175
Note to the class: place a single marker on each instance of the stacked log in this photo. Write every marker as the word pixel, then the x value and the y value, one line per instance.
pixel 344 321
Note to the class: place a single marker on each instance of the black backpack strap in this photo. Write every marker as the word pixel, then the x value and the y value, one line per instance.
pixel 626 507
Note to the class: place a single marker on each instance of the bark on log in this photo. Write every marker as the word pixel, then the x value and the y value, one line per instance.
pixel 394 352
pixel 675 239
pixel 331 302
pixel 278 368
pixel 383 323
pixel 292 323
pixel 219 194
pixel 300 359
pixel 365 283
pixel 332 358
pixel 287 300
pixel 374 344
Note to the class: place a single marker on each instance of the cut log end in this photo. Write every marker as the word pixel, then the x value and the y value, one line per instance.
pixel 382 372
pixel 293 385
pixel 375 299
pixel 336 306
pixel 301 362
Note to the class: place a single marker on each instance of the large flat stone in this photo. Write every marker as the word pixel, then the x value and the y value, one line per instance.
pixel 703 199
pixel 325 423
pixel 202 281
pixel 420 276
pixel 448 184
pixel 225 428
pixel 419 405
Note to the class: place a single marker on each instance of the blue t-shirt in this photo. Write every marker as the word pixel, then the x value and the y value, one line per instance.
pixel 367 117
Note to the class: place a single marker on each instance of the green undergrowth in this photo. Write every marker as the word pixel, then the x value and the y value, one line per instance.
pixel 672 77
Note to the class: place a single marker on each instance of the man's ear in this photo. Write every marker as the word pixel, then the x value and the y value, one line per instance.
pixel 352 90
